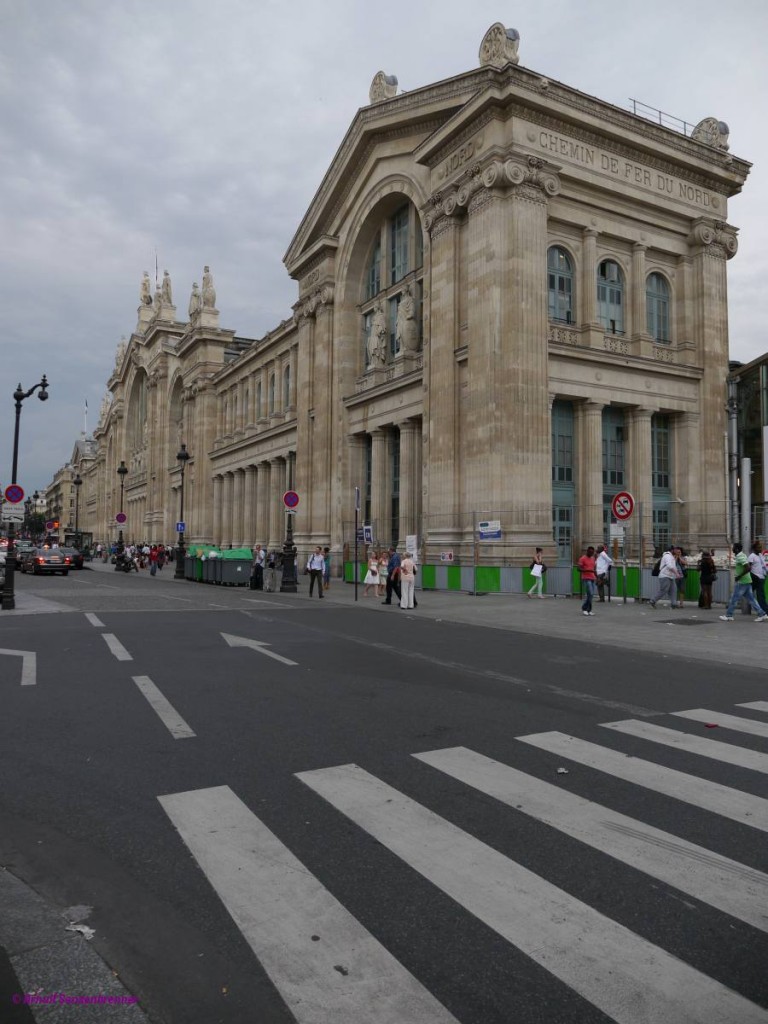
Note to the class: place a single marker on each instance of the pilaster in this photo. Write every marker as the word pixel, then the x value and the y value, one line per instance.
pixel 237 508
pixel 589 419
pixel 639 464
pixel 380 486
pixel 408 448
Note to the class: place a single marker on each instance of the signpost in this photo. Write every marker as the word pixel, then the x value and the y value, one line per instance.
pixel 14 494
pixel 622 506
pixel 290 500
pixel 489 529
pixel 180 527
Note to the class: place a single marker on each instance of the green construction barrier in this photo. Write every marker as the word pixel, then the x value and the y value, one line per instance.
pixel 454 577
pixel 427 576
pixel 488 578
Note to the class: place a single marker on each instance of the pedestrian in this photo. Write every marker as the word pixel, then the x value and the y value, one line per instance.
pixel 668 575
pixel 393 576
pixel 757 569
pixel 383 573
pixel 257 569
pixel 153 560
pixel 537 571
pixel 603 563
pixel 707 576
pixel 407 581
pixel 315 565
pixel 742 588
pixel 586 567
pixel 326 567
pixel 372 575
pixel 682 570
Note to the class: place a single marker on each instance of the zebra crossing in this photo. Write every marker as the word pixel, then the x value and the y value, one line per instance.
pixel 328 967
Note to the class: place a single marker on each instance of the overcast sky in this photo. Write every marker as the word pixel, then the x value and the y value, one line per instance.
pixel 203 129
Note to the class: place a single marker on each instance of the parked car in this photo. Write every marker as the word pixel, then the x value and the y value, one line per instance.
pixel 42 560
pixel 75 557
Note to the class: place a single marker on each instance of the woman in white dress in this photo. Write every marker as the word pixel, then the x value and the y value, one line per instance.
pixel 383 573
pixel 372 576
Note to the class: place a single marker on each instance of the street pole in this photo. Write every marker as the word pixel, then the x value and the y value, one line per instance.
pixel 8 602
pixel 122 469
pixel 357 527
pixel 289 584
pixel 77 483
pixel 182 457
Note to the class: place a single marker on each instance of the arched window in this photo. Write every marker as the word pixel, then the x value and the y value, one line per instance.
pixel 286 387
pixel 560 285
pixel 657 307
pixel 610 296
pixel 392 283
pixel 271 394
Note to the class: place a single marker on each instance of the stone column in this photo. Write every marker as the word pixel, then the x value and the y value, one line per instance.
pixel 693 507
pixel 249 507
pixel 589 422
pixel 217 495
pixel 238 497
pixel 710 245
pixel 304 421
pixel 637 285
pixel 408 445
pixel 227 509
pixel 323 451
pixel 264 486
pixel 380 487
pixel 442 464
pixel 277 509
pixel 639 480
pixel 507 327
pixel 589 278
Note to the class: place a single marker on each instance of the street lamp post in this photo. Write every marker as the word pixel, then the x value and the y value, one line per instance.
pixel 8 600
pixel 182 457
pixel 78 483
pixel 122 469
pixel 289 583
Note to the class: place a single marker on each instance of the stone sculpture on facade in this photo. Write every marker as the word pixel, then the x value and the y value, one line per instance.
pixel 406 328
pixel 106 402
pixel 145 296
pixel 713 132
pixel 195 302
pixel 209 292
pixel 499 46
pixel 383 87
pixel 377 340
pixel 166 291
pixel 120 353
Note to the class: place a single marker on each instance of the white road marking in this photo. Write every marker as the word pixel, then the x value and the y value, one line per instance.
pixel 165 711
pixel 256 645
pixel 719 881
pixel 703 746
pixel 94 620
pixel 733 722
pixel 324 963
pixel 729 803
pixel 624 975
pixel 28 665
pixel 116 647
pixel 755 705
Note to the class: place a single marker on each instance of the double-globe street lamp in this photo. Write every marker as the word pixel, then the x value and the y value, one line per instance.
pixel 8 600
pixel 78 481
pixel 122 469
pixel 182 457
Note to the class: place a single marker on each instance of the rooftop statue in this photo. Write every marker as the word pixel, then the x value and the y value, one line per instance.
pixel 145 296
pixel 209 292
pixel 499 46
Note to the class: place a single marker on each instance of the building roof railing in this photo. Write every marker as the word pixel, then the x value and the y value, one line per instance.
pixel 640 109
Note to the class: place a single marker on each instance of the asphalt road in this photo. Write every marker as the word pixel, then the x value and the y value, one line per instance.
pixel 375 818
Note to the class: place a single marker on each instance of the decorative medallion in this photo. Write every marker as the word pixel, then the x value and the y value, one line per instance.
pixel 499 46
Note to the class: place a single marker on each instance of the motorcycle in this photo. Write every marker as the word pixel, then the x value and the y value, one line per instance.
pixel 124 563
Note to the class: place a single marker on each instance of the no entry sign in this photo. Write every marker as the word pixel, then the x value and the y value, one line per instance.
pixel 623 505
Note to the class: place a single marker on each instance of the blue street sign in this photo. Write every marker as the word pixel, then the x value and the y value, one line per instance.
pixel 181 527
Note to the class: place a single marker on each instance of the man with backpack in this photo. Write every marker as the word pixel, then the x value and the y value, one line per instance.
pixel 668 576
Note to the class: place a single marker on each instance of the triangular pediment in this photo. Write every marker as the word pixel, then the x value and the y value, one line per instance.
pixel 414 113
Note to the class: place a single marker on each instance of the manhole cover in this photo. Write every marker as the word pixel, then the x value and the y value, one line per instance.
pixel 686 622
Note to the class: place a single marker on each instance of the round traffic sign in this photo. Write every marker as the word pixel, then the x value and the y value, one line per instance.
pixel 49 525
pixel 121 518
pixel 290 499
pixel 14 493
pixel 623 505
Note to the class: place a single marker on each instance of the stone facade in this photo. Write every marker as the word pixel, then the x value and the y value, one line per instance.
pixel 511 304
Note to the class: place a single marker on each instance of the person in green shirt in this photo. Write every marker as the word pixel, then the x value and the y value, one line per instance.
pixel 742 587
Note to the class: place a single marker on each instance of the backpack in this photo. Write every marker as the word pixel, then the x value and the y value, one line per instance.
pixel 656 568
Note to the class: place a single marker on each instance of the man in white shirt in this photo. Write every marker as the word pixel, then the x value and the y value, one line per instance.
pixel 315 566
pixel 259 557
pixel 668 574
pixel 603 565
pixel 757 570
